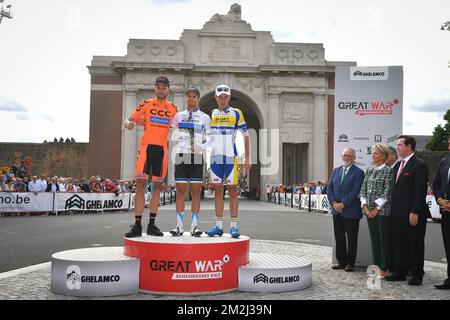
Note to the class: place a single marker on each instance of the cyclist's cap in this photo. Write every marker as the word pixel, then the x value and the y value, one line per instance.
pixel 223 89
pixel 193 89
pixel 163 80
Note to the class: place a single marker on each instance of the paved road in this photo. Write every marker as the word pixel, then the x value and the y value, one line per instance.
pixel 26 241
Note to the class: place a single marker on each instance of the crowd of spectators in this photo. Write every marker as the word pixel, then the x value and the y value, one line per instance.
pixel 16 180
pixel 300 188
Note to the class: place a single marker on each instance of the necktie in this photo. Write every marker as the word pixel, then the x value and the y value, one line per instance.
pixel 400 170
pixel 344 172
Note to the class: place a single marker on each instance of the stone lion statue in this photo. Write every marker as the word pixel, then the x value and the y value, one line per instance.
pixel 234 15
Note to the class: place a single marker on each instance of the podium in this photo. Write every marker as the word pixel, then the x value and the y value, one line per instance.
pixel 183 265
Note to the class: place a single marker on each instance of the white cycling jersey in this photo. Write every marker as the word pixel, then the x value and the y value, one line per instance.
pixel 193 127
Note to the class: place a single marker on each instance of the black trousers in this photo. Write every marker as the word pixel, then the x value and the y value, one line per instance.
pixel 445 225
pixel 346 237
pixel 409 246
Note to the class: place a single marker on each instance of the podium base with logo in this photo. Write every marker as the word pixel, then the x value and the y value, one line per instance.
pixel 188 265
pixel 275 273
pixel 94 272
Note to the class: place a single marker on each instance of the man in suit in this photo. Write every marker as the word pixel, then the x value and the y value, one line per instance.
pixel 441 189
pixel 53 186
pixel 409 213
pixel 342 192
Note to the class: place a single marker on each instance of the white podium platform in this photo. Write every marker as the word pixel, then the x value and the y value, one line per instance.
pixel 94 272
pixel 275 273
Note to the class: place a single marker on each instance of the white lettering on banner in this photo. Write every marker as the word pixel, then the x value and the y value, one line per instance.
pixel 91 201
pixel 197 276
pixel 26 202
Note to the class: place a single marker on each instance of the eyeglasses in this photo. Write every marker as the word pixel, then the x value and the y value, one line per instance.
pixel 223 89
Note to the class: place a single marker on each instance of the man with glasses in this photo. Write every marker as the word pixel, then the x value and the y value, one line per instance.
pixel 156 116
pixel 225 122
pixel 192 138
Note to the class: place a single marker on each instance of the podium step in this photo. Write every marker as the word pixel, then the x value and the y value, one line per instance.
pixel 96 272
pixel 275 273
pixel 188 265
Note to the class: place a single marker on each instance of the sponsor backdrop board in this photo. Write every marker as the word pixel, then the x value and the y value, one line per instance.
pixel 94 272
pixel 26 202
pixel 368 109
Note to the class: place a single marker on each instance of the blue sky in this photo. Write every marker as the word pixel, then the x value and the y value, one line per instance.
pixel 44 50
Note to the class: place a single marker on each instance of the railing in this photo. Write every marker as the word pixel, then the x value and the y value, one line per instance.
pixel 319 202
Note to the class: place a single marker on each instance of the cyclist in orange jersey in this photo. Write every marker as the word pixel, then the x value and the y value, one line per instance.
pixel 156 116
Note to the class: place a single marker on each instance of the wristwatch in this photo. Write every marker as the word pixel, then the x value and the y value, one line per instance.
pixel 378 208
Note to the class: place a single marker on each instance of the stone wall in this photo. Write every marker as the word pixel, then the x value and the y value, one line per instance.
pixel 54 158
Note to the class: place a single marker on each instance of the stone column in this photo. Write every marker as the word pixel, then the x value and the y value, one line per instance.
pixel 319 142
pixel 273 122
pixel 129 145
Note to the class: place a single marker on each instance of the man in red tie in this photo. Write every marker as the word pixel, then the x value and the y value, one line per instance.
pixel 409 213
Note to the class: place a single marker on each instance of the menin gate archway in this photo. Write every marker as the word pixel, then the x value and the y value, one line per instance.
pixel 253 118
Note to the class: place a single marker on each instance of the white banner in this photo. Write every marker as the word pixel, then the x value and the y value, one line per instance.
pixel 288 199
pixel 91 201
pixel 26 202
pixel 434 207
pixel 320 202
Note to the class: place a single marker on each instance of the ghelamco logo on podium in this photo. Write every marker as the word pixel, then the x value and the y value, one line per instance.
pixel 75 278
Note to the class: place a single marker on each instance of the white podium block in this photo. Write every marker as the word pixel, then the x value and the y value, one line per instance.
pixel 275 273
pixel 97 272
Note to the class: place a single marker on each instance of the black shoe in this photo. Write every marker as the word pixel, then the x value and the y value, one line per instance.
pixel 349 268
pixel 153 230
pixel 136 231
pixel 444 286
pixel 177 231
pixel 415 281
pixel 196 232
pixel 395 277
pixel 338 267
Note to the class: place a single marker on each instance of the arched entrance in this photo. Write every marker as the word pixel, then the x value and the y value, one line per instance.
pixel 253 118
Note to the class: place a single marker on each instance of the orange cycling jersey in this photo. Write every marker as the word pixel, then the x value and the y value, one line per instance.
pixel 156 115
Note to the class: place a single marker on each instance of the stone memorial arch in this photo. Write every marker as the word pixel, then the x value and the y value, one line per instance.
pixel 286 87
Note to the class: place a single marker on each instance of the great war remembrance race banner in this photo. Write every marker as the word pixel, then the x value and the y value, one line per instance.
pixel 368 109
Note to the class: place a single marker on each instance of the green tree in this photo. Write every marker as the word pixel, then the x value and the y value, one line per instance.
pixel 440 135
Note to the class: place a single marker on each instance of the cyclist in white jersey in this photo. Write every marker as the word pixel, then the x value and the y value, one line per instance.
pixel 192 136
pixel 225 122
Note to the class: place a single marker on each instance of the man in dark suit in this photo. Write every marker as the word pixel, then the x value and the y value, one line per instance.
pixel 53 186
pixel 409 213
pixel 441 189
pixel 342 192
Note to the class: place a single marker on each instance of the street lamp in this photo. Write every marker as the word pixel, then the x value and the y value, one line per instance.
pixel 5 13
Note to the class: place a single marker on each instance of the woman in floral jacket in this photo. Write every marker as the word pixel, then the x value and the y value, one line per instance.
pixel 375 200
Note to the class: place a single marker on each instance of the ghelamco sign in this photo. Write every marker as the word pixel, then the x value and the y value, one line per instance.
pixel 369 73
pixel 101 271
pixel 275 273
pixel 94 202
